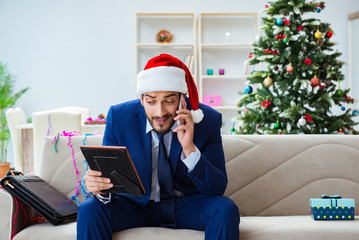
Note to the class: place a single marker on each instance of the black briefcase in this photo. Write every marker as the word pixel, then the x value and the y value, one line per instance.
pixel 53 205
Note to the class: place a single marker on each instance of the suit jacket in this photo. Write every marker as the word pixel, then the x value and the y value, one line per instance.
pixel 126 126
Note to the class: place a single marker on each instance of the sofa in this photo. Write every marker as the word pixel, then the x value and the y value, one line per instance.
pixel 271 179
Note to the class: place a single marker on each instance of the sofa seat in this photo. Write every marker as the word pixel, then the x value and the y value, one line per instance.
pixel 251 228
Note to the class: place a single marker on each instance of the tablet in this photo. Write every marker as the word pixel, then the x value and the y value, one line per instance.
pixel 116 164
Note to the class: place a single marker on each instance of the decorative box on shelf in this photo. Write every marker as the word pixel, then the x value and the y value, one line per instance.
pixel 212 100
pixel 332 208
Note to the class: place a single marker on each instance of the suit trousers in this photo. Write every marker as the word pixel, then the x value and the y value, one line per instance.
pixel 217 216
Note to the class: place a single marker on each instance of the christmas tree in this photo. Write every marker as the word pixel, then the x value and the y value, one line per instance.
pixel 299 88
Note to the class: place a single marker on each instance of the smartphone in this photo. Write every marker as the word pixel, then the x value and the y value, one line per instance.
pixel 180 121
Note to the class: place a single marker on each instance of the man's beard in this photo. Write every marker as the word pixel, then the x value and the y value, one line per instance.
pixel 161 128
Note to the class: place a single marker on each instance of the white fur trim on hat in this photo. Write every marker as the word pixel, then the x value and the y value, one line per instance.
pixel 197 115
pixel 161 79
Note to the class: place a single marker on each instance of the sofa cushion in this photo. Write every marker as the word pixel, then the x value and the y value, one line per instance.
pixel 251 228
pixel 274 175
pixel 57 168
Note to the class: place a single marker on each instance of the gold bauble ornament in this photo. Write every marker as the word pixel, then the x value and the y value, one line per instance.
pixel 318 35
pixel 268 81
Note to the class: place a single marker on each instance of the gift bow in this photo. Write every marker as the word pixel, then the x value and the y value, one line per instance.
pixel 331 197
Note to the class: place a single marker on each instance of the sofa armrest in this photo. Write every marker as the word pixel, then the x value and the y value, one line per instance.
pixel 6 216
pixel 11 209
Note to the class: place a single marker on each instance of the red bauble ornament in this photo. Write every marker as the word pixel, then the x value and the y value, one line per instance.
pixel 308 61
pixel 329 34
pixel 315 81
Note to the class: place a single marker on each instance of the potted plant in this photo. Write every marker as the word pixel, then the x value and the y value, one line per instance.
pixel 7 100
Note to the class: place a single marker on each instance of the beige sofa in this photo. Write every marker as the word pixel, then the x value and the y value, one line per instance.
pixel 271 179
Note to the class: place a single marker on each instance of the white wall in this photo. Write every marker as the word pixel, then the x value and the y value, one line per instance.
pixel 82 52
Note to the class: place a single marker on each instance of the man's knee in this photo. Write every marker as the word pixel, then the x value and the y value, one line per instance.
pixel 223 209
pixel 90 210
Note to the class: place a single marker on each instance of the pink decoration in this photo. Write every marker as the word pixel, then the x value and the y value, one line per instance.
pixel 70 135
pixel 98 120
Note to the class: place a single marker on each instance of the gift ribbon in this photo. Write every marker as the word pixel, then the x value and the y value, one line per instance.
pixel 86 194
pixel 70 135
pixel 334 197
pixel 331 197
pixel 49 125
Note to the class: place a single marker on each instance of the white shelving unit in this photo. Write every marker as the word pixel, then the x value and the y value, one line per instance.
pixel 181 25
pixel 224 42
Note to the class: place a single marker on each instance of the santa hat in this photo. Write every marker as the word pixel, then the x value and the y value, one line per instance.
pixel 167 73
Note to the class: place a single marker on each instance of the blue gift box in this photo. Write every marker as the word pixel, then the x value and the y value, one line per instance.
pixel 332 208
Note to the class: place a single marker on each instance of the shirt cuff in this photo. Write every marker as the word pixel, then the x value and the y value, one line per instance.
pixel 191 160
pixel 103 199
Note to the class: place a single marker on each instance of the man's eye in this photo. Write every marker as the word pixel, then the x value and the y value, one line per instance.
pixel 150 102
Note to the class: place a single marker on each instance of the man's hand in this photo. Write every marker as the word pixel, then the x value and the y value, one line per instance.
pixel 185 131
pixel 95 183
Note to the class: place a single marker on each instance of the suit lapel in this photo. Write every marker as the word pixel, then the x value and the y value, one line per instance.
pixel 144 146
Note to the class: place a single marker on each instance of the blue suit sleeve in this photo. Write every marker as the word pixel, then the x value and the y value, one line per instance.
pixel 209 175
pixel 109 138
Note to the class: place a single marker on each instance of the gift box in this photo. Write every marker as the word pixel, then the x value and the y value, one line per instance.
pixel 212 100
pixel 332 208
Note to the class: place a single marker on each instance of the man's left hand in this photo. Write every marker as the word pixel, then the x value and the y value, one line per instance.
pixel 185 130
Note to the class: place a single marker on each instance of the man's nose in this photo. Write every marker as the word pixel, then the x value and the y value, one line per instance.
pixel 160 111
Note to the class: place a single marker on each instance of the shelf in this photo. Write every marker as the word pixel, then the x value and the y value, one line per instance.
pixel 225 42
pixel 164 14
pixel 226 108
pixel 229 14
pixel 227 45
pixel 182 26
pixel 224 77
pixel 164 45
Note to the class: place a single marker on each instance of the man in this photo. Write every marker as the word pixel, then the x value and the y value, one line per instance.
pixel 178 155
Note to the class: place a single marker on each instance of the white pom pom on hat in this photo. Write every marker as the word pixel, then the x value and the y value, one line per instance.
pixel 167 73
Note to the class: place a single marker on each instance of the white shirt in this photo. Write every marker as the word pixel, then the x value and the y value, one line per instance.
pixel 190 162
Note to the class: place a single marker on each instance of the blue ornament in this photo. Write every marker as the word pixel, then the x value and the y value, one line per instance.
pixel 343 108
pixel 279 21
pixel 318 10
pixel 355 112
pixel 248 90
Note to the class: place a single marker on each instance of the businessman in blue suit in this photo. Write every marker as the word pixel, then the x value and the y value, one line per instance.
pixel 176 147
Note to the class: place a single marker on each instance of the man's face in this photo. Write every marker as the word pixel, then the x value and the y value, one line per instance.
pixel 160 108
